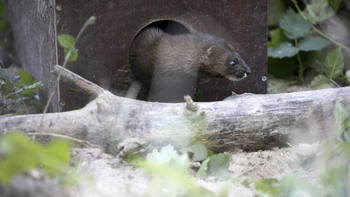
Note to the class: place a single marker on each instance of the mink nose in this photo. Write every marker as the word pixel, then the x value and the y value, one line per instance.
pixel 248 70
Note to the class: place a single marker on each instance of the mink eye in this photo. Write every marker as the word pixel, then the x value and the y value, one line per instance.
pixel 232 63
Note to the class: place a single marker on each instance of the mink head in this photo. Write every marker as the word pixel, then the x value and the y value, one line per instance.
pixel 222 60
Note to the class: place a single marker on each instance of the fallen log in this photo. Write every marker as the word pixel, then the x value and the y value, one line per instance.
pixel 249 122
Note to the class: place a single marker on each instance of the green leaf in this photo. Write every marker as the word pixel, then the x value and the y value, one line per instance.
pixel 28 84
pixel 341 122
pixel 345 146
pixel 66 41
pixel 307 58
pixel 318 10
pixel 199 151
pixel 165 155
pixel 218 165
pixel 282 50
pixel 5 75
pixel 276 9
pixel 175 175
pixel 313 44
pixel 334 64
pixel 293 25
pixel 73 55
pixel 202 172
pixel 19 155
pixel 321 82
pixel 2 8
pixel 7 88
pixel 28 91
pixel 56 156
pixel 334 4
pixel 282 68
pixel 5 26
pixel 198 96
pixel 268 186
pixel 277 36
pixel 26 78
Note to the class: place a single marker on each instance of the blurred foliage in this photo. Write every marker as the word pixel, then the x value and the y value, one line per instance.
pixel 293 44
pixel 18 154
pixel 170 170
pixel 20 87
pixel 334 155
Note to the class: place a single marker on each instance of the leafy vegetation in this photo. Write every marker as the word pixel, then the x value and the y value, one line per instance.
pixel 19 87
pixel 294 44
pixel 18 154
pixel 334 162
pixel 170 170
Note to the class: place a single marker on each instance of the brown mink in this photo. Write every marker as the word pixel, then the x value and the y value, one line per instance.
pixel 168 66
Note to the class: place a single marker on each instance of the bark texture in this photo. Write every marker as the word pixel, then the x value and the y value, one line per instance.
pixel 248 121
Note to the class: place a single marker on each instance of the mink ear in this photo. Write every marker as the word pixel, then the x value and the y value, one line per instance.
pixel 208 52
pixel 205 58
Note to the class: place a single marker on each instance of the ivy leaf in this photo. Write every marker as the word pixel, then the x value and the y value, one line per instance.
pixel 199 151
pixel 293 25
pixel 313 44
pixel 218 165
pixel 66 41
pixel 321 82
pixel 334 64
pixel 341 122
pixel 282 50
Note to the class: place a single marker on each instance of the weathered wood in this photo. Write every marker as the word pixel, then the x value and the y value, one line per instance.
pixel 33 32
pixel 247 121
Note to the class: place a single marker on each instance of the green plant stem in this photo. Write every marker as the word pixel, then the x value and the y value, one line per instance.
pixel 25 106
pixel 330 39
pixel 299 10
pixel 335 83
pixel 301 68
pixel 320 32
pixel 90 21
pixel 347 3
pixel 56 49
pixel 82 142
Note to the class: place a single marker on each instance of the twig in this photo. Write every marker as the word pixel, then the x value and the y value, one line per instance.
pixel 318 31
pixel 82 142
pixel 90 21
